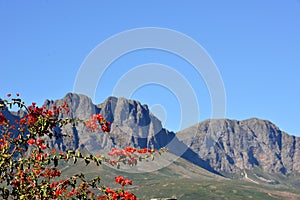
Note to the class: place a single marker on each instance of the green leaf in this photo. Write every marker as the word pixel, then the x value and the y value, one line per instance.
pixel 79 154
pixel 55 160
pixel 71 152
pixel 45 193
pixel 87 161
pixel 95 159
pixel 74 159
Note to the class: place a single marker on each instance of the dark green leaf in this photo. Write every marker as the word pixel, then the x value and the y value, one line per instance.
pixel 55 160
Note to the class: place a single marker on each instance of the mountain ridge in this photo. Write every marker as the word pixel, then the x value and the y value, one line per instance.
pixel 251 139
pixel 230 148
pixel 224 145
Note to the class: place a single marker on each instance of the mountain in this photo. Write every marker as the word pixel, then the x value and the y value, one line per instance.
pixel 233 146
pixel 253 149
pixel 131 124
pixel 222 146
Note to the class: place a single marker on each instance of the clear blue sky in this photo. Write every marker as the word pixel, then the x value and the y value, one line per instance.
pixel 255 45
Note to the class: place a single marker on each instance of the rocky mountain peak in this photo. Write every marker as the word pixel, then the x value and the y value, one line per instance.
pixel 80 105
pixel 233 146
pixel 131 123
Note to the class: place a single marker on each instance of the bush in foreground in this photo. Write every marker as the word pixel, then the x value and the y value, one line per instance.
pixel 29 167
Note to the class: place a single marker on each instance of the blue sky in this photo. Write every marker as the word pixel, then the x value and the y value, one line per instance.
pixel 254 44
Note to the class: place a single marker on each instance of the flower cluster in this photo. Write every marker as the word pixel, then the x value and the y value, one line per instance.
pixel 130 155
pixel 114 195
pixel 38 142
pixel 40 120
pixel 129 151
pixel 97 119
pixel 121 193
pixel 122 181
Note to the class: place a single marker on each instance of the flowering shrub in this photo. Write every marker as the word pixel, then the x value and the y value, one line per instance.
pixel 29 167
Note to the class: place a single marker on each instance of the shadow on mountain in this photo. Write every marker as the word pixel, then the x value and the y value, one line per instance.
pixel 165 139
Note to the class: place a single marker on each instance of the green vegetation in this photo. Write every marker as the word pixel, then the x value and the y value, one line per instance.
pixel 183 180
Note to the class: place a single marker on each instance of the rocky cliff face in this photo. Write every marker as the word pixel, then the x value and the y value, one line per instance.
pixel 131 124
pixel 232 146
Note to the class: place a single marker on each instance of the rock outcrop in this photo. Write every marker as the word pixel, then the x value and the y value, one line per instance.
pixel 232 146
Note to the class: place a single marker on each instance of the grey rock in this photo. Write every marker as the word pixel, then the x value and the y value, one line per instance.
pixel 233 146
pixel 132 124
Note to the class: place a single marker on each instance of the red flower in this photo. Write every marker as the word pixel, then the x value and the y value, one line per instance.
pixel 71 193
pixel 31 141
pixel 99 117
pixel 130 149
pixel 43 146
pixel 129 196
pixel 3 120
pixel 143 150
pixel 50 113
pixel 13 127
pixel 39 141
pixel 115 196
pixel 22 121
pixel 15 182
pixel 122 181
pixel 58 192
pixel 119 179
pixel 37 172
pixel 105 129
pixel 39 156
pixel 67 111
pixel 128 182
pixel 8 95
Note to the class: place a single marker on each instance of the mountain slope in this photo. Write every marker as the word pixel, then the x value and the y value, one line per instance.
pixel 233 146
pixel 183 180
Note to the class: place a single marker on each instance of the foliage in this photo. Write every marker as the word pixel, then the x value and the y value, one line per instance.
pixel 29 167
